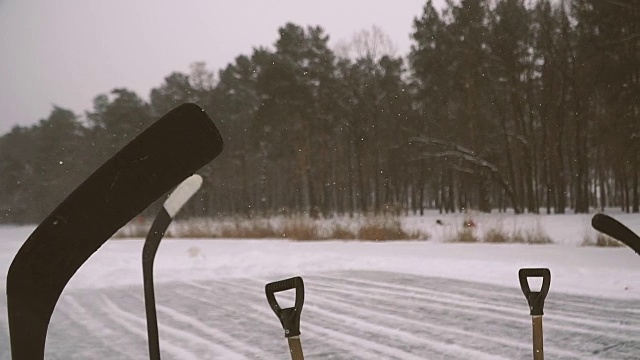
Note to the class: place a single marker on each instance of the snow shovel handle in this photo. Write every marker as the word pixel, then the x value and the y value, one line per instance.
pixel 289 317
pixel 535 298
pixel 538 349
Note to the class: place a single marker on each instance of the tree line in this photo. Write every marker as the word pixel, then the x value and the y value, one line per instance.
pixel 524 105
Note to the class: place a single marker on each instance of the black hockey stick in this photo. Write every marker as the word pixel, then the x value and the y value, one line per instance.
pixel 612 227
pixel 166 153
pixel 170 208
pixel 536 304
pixel 289 317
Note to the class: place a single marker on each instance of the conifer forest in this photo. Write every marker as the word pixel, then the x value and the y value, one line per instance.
pixel 512 105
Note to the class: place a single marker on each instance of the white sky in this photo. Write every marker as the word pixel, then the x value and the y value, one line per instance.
pixel 68 51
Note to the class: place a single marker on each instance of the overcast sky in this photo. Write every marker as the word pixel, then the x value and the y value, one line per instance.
pixel 66 52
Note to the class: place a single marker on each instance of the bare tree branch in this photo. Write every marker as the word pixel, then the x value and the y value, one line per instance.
pixel 454 151
pixel 620 41
pixel 623 4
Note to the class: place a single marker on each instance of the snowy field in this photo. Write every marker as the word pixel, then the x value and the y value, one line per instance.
pixel 364 300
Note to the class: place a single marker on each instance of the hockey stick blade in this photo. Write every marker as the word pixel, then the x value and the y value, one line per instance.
pixel 612 227
pixel 171 149
pixel 171 206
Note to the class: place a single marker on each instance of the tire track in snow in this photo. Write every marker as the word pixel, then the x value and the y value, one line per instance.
pixel 102 331
pixel 175 344
pixel 318 333
pixel 499 295
pixel 571 322
pixel 238 346
pixel 178 319
pixel 125 335
pixel 355 339
pixel 264 330
pixel 382 334
pixel 587 348
pixel 449 333
pixel 600 342
pixel 448 349
pixel 398 316
pixel 572 305
pixel 228 317
pixel 137 325
pixel 443 310
pixel 490 304
pixel 263 315
pixel 348 315
pixel 359 341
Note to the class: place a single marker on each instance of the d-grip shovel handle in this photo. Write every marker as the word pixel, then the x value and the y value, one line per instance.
pixel 535 298
pixel 289 317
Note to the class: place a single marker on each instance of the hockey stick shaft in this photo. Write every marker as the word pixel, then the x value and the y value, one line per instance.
pixel 612 227
pixel 156 233
pixel 163 219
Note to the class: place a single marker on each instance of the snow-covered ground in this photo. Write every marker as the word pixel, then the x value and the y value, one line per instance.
pixel 364 300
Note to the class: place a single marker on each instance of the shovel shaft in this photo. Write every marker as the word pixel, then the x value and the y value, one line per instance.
pixel 538 353
pixel 295 348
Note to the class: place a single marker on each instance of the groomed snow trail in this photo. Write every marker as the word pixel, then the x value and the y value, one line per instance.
pixel 347 315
